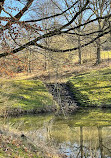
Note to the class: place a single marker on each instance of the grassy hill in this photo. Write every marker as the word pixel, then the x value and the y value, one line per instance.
pixel 93 88
pixel 25 96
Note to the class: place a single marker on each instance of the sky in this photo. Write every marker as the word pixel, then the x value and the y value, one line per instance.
pixel 15 5
pixel 30 14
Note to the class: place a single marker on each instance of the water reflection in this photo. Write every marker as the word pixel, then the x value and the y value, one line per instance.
pixel 86 134
pixel 90 142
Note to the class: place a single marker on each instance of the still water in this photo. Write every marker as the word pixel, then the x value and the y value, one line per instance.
pixel 85 134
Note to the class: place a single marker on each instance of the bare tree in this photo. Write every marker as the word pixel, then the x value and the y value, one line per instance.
pixel 38 34
pixel 100 8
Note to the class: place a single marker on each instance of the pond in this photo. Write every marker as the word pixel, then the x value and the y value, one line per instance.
pixel 85 134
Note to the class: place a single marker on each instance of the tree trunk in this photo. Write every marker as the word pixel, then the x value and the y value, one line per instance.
pixel 29 61
pixel 100 141
pixel 98 60
pixel 45 61
pixel 29 66
pixel 79 50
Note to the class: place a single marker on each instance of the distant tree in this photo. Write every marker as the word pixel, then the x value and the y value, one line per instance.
pixel 101 8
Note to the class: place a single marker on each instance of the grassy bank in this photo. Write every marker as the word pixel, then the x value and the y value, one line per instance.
pixel 14 144
pixel 24 96
pixel 92 89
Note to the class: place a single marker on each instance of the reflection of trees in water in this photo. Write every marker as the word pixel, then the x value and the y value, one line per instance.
pixel 75 141
pixel 100 141
pixel 105 150
pixel 94 146
pixel 81 141
pixel 78 142
pixel 87 151
pixel 99 151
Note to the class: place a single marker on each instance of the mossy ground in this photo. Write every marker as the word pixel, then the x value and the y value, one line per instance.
pixel 92 89
pixel 22 96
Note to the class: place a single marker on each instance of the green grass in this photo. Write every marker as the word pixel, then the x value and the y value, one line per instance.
pixel 92 89
pixel 28 122
pixel 25 96
pixel 92 117
pixel 105 54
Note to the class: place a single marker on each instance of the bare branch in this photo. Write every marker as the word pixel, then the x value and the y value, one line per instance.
pixel 91 21
pixel 1 4
pixel 20 14
pixel 75 48
pixel 52 16
pixel 5 18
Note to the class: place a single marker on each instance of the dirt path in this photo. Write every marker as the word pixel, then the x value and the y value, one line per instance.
pixel 62 96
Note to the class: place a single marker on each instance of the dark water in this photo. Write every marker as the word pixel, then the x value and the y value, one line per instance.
pixel 85 134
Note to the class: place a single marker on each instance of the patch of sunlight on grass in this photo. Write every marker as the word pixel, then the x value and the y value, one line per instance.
pixel 92 89
pixel 26 94
pixel 105 54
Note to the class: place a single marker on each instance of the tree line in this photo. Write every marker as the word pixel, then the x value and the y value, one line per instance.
pixel 30 25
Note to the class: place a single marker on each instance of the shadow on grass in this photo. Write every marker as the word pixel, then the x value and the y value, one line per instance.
pixel 92 88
